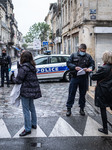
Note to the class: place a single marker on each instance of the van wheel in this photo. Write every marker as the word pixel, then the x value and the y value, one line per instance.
pixel 67 76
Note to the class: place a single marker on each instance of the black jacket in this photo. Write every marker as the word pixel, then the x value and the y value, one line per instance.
pixel 76 59
pixel 27 77
pixel 6 61
pixel 103 91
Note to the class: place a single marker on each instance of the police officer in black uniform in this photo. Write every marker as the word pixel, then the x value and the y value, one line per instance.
pixel 5 67
pixel 80 64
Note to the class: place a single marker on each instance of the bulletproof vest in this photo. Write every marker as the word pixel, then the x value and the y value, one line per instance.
pixel 0 60
pixel 5 61
pixel 81 61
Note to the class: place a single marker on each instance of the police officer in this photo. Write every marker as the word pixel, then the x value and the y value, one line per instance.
pixel 80 64
pixel 5 67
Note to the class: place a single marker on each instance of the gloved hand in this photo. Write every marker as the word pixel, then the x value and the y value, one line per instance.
pixel 9 69
pixel 12 75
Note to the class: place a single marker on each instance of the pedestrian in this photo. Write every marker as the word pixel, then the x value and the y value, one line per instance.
pixel 29 90
pixel 80 64
pixel 5 67
pixel 103 90
pixel 18 63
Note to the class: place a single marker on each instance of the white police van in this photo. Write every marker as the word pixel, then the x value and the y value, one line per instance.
pixel 51 66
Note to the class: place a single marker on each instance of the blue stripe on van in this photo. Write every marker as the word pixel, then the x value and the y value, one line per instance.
pixel 52 69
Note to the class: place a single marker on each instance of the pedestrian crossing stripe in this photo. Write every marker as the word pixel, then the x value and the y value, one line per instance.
pixel 62 128
pixel 91 128
pixel 4 133
pixel 34 133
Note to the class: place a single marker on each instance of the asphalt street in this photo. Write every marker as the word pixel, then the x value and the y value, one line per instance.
pixel 55 131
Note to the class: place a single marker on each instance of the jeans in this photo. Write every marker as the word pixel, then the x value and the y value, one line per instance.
pixel 81 82
pixel 28 107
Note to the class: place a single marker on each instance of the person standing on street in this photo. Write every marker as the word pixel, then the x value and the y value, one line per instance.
pixel 103 90
pixel 5 67
pixel 80 64
pixel 29 91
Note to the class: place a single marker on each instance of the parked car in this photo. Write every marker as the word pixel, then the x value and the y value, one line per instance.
pixel 50 67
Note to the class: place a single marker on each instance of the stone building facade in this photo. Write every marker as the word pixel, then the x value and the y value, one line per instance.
pixel 10 37
pixel 89 22
pixel 48 19
pixel 54 20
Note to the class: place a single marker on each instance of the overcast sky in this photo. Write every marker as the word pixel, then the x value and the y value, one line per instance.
pixel 28 12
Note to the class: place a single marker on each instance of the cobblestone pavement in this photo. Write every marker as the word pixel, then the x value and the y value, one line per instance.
pixel 52 103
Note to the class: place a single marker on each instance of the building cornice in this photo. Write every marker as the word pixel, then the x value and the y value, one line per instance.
pixel 3 7
pixel 65 25
pixel 98 22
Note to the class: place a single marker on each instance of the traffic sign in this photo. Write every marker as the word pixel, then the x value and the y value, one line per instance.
pixel 45 43
pixel 36 44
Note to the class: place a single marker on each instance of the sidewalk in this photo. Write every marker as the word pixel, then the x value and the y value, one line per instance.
pixel 90 98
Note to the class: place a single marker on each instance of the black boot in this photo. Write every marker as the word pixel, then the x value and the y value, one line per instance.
pixel 82 112
pixel 34 126
pixel 103 130
pixel 24 133
pixel 68 113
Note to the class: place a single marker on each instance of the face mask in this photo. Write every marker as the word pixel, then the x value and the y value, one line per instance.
pixel 3 54
pixel 82 53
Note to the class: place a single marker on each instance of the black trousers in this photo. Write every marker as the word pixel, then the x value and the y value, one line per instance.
pixel 80 82
pixel 4 72
pixel 104 117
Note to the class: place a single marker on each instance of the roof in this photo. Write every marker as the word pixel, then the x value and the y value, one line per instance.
pixel 38 56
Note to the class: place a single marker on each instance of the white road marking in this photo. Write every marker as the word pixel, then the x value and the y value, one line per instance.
pixel 63 129
pixel 34 133
pixel 4 133
pixel 91 128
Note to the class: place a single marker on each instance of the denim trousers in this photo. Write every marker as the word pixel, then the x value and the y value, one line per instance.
pixel 29 113
pixel 81 82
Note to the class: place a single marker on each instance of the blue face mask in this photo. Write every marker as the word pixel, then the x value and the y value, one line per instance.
pixel 82 53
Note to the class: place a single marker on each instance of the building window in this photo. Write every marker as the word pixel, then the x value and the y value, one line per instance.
pixel 75 43
pixel 65 46
pixel 75 9
pixel 69 11
pixel 69 46
pixel 65 14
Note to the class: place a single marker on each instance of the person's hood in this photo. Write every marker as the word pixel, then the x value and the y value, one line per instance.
pixel 29 66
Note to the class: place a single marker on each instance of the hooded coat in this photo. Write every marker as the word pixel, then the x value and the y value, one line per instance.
pixel 27 77
pixel 103 91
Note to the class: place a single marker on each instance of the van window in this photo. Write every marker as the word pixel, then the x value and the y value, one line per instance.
pixel 41 61
pixel 54 59
pixel 63 58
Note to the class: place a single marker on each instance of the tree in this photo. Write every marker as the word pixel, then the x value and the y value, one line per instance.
pixel 24 45
pixel 39 30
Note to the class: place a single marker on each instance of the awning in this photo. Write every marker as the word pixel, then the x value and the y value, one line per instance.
pixel 16 48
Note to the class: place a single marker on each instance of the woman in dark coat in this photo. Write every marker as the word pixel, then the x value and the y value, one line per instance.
pixel 29 91
pixel 103 91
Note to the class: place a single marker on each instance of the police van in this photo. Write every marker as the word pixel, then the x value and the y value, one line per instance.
pixel 51 66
